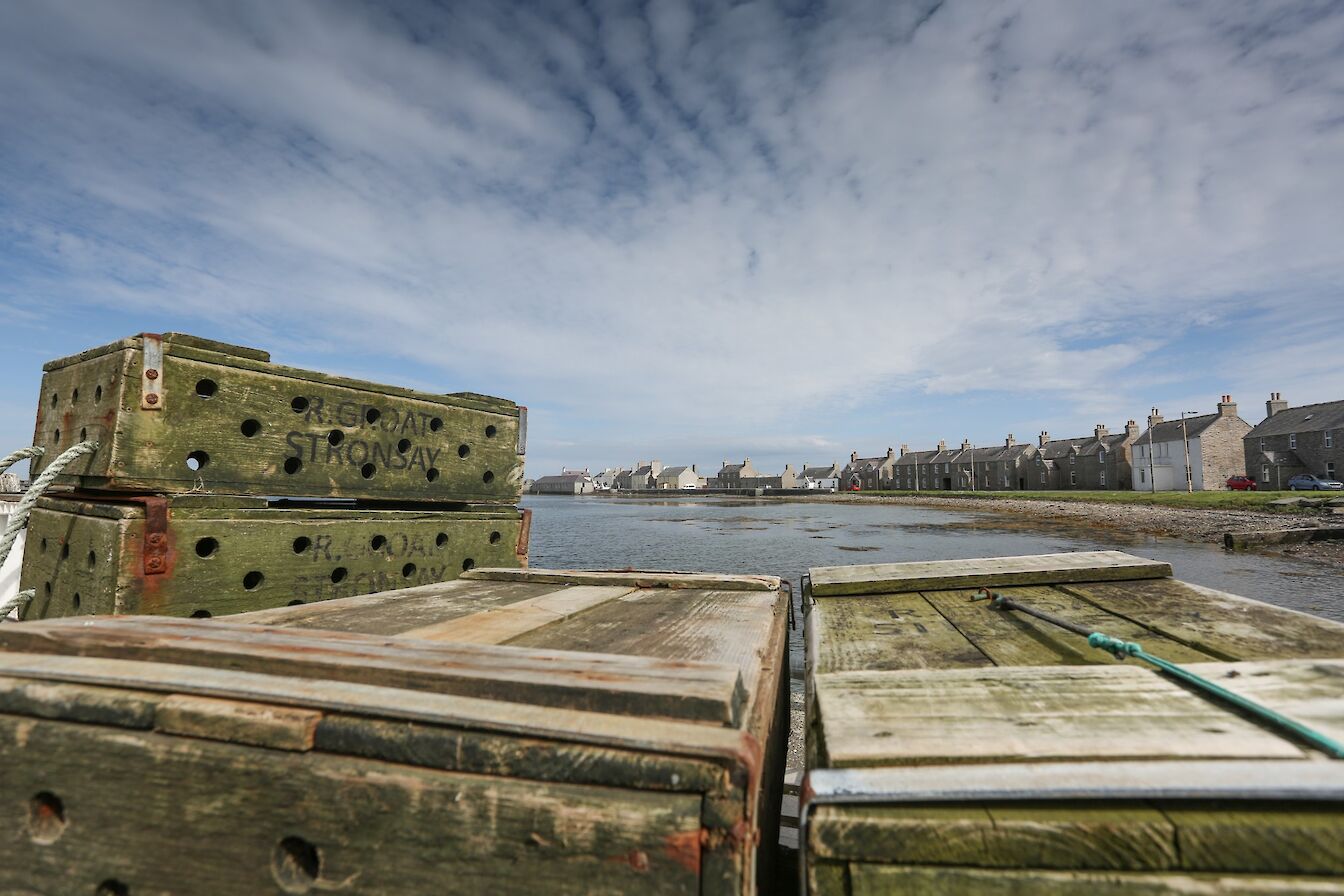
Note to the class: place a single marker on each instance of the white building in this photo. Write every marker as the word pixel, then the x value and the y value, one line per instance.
pixel 606 480
pixel 821 478
pixel 1160 452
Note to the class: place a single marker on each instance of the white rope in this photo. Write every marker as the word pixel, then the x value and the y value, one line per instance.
pixel 17 602
pixel 19 517
pixel 10 460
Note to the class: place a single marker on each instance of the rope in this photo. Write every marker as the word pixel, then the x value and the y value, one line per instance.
pixel 1120 649
pixel 10 460
pixel 19 518
pixel 17 602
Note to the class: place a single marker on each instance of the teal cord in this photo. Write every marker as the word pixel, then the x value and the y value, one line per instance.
pixel 1121 649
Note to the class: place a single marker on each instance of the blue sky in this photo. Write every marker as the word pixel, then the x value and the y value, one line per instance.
pixel 693 231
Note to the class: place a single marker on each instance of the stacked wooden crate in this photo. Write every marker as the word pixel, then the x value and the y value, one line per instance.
pixel 958 748
pixel 223 483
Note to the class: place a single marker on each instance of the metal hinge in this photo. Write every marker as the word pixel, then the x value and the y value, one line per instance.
pixel 151 372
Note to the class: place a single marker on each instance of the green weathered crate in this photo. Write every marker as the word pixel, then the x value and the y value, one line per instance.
pixel 206 416
pixel 208 556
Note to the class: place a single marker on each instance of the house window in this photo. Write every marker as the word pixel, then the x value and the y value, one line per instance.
pixel 1143 476
pixel 1073 477
pixel 1292 440
pixel 1073 459
pixel 1330 470
pixel 1262 444
pixel 1264 473
pixel 1101 456
pixel 1329 438
pixel 1103 475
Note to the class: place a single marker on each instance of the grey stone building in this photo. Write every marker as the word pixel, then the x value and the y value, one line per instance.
pixel 869 472
pixel 680 478
pixel 643 475
pixel 1289 441
pixel 577 482
pixel 1216 447
pixel 737 475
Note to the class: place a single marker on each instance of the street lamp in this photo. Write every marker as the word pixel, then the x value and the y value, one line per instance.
pixel 1185 438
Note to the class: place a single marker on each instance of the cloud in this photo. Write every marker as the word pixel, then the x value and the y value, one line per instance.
pixel 715 220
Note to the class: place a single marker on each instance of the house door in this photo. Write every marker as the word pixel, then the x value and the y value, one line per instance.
pixel 947 483
pixel 1021 483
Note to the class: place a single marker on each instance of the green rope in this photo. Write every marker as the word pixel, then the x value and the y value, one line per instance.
pixel 1121 649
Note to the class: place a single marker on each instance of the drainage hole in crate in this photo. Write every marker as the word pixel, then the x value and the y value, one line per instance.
pixel 97 394
pixel 250 427
pixel 339 573
pixel 302 543
pixel 490 431
pixel 435 424
pixel 463 450
pixel 495 537
pixel 93 559
pixel 46 589
pixel 299 404
pixel 335 437
pixel 378 542
pixel 112 888
pixel 252 581
pixel 65 551
pixel 488 478
pixel 201 614
pixel 403 446
pixel 367 471
pixel 372 415
pixel 197 460
pixel 441 539
pixel 54 399
pixel 206 388
pixel 42 545
pixel 206 547
pixel 83 434
pixel 468 564
pixel 74 396
pixel 74 602
pixel 408 570
pixel 56 437
pixel 296 864
pixel 432 473
pixel 293 465
pixel 46 817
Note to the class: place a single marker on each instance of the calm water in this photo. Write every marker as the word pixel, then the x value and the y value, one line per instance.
pixel 744 536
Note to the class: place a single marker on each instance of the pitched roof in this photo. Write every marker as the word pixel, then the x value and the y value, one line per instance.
pixel 1307 418
pixel 563 477
pixel 821 472
pixel 1170 430
pixel 731 468
pixel 671 472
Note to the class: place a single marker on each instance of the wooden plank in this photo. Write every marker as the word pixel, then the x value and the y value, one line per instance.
pixel 629 578
pixel 498 625
pixel 274 727
pixel 304 822
pixel 1261 837
pixel 1026 713
pixel 1223 625
pixel 887 632
pixel 936 880
pixel 393 612
pixel 1309 692
pixel 1111 836
pixel 577 726
pixel 936 575
pixel 638 686
pixel 1015 638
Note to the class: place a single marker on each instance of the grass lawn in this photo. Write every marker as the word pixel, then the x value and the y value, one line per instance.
pixel 1211 500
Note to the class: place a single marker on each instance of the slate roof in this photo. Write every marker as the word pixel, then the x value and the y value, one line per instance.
pixel 672 472
pixel 562 478
pixel 828 472
pixel 1170 430
pixel 1281 458
pixel 731 468
pixel 1307 418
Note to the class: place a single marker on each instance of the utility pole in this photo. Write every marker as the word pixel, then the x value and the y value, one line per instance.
pixel 1152 481
pixel 1185 437
pixel 972 468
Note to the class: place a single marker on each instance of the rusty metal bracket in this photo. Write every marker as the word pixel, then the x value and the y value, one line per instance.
pixel 156 535
pixel 524 536
pixel 151 372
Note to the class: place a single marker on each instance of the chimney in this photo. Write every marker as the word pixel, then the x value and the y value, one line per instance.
pixel 1227 407
pixel 1131 429
pixel 942 445
pixel 965 444
pixel 1100 431
pixel 905 449
pixel 853 457
pixel 1010 441
pixel 1275 404
pixel 693 470
pixel 1044 437
pixel 1154 418
pixel 890 453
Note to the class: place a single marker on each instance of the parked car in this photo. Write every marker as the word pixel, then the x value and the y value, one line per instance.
pixel 1242 484
pixel 1310 482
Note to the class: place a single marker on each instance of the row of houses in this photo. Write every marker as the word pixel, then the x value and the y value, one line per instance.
pixel 1203 450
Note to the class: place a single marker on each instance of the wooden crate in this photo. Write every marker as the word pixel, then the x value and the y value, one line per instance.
pixel 193 555
pixel 508 732
pixel 222 418
pixel 956 748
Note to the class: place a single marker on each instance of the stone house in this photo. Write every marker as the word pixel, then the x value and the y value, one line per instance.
pixel 911 470
pixel 1217 451
pixel 606 480
pixel 870 472
pixel 994 467
pixel 1289 441
pixel 679 478
pixel 787 479
pixel 643 475
pixel 825 478
pixel 733 475
pixel 576 482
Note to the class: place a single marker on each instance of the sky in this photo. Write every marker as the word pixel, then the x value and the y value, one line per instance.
pixel 693 231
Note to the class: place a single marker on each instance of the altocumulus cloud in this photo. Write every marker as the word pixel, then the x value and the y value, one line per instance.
pixel 623 214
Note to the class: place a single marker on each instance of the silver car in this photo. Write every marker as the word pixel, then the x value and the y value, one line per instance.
pixel 1310 482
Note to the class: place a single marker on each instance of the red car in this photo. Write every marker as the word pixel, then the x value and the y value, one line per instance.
pixel 1242 484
